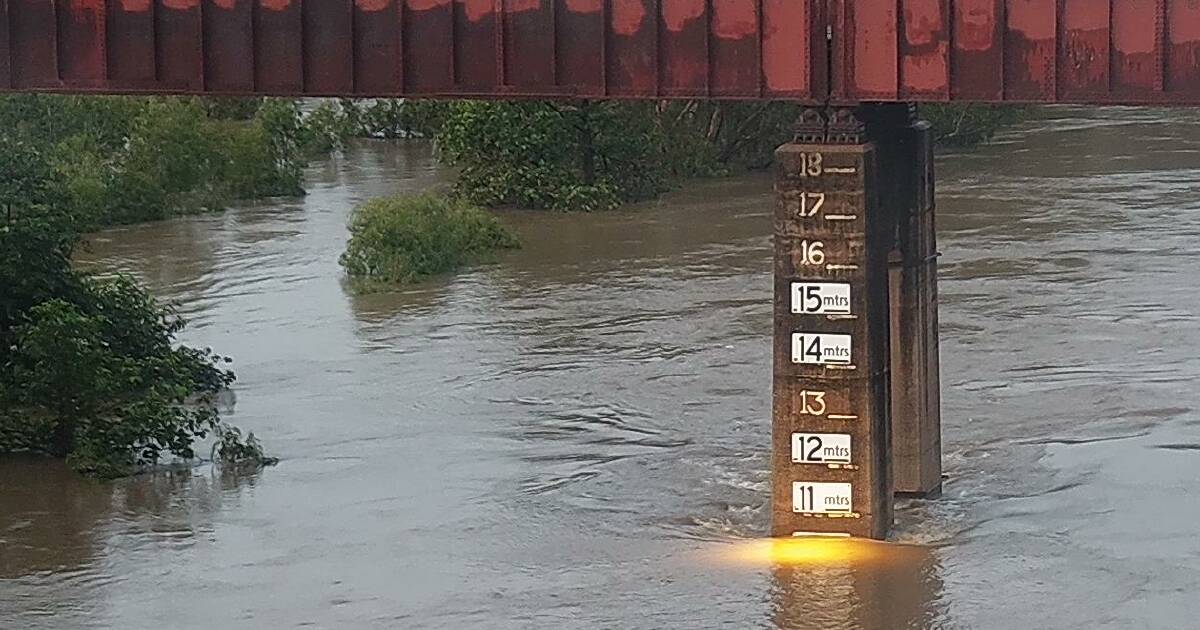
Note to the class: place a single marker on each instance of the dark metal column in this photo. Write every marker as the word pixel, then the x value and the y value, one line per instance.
pixel 905 147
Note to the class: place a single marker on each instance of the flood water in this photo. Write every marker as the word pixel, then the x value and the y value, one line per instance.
pixel 576 436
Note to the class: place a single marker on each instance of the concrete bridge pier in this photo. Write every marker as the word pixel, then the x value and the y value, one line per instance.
pixel 915 353
pixel 855 403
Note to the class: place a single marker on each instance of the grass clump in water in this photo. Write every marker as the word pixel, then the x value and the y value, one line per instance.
pixel 402 239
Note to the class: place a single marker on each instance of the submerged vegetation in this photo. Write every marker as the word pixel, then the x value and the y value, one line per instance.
pixel 124 160
pixel 402 239
pixel 89 367
pixel 598 155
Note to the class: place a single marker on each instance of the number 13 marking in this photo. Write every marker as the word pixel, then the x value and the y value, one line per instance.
pixel 812 403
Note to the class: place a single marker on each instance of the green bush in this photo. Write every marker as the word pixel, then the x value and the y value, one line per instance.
pixel 597 155
pixel 390 118
pixel 124 160
pixel 401 239
pixel 326 129
pixel 89 367
pixel 331 123
pixel 232 107
pixel 592 156
pixel 585 156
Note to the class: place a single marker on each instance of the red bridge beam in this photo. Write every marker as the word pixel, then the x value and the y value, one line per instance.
pixel 480 48
pixel 1041 51
pixel 1050 51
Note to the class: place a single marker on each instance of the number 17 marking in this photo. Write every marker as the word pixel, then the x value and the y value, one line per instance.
pixel 811 204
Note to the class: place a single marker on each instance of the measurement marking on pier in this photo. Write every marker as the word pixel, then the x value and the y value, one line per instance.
pixel 810 497
pixel 841 170
pixel 821 349
pixel 811 204
pixel 820 298
pixel 834 416
pixel 841 267
pixel 820 448
pixel 841 217
pixel 812 403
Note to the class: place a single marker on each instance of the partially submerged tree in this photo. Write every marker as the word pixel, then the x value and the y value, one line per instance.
pixel 89 367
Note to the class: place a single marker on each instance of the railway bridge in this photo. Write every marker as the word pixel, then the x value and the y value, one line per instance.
pixel 856 382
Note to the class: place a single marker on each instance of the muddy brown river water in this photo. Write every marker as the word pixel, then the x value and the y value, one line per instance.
pixel 576 435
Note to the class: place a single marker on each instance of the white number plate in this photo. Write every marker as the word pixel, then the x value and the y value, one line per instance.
pixel 820 498
pixel 820 298
pixel 820 448
pixel 820 349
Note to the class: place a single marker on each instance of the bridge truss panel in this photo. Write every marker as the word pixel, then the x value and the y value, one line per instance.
pixel 1040 51
pixel 752 49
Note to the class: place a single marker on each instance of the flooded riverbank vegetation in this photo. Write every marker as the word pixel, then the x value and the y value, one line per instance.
pixel 125 160
pixel 588 156
pixel 598 155
pixel 402 239
pixel 89 367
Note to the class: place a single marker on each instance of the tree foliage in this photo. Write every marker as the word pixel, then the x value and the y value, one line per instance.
pixel 401 239
pixel 589 156
pixel 89 367
pixel 330 124
pixel 550 155
pixel 126 159
pixel 596 155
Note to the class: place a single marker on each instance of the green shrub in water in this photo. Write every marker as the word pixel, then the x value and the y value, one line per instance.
pixel 574 156
pixel 401 239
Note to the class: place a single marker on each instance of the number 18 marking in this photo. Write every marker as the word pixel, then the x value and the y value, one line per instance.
pixel 811 164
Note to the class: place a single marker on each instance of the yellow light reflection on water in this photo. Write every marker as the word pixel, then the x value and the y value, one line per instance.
pixel 808 551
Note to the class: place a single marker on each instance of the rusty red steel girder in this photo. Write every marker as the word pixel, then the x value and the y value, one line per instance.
pixel 811 51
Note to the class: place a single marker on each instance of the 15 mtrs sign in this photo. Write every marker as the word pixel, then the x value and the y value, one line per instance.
pixel 820 298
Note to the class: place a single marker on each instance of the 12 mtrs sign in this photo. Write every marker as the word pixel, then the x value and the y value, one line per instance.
pixel 820 448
